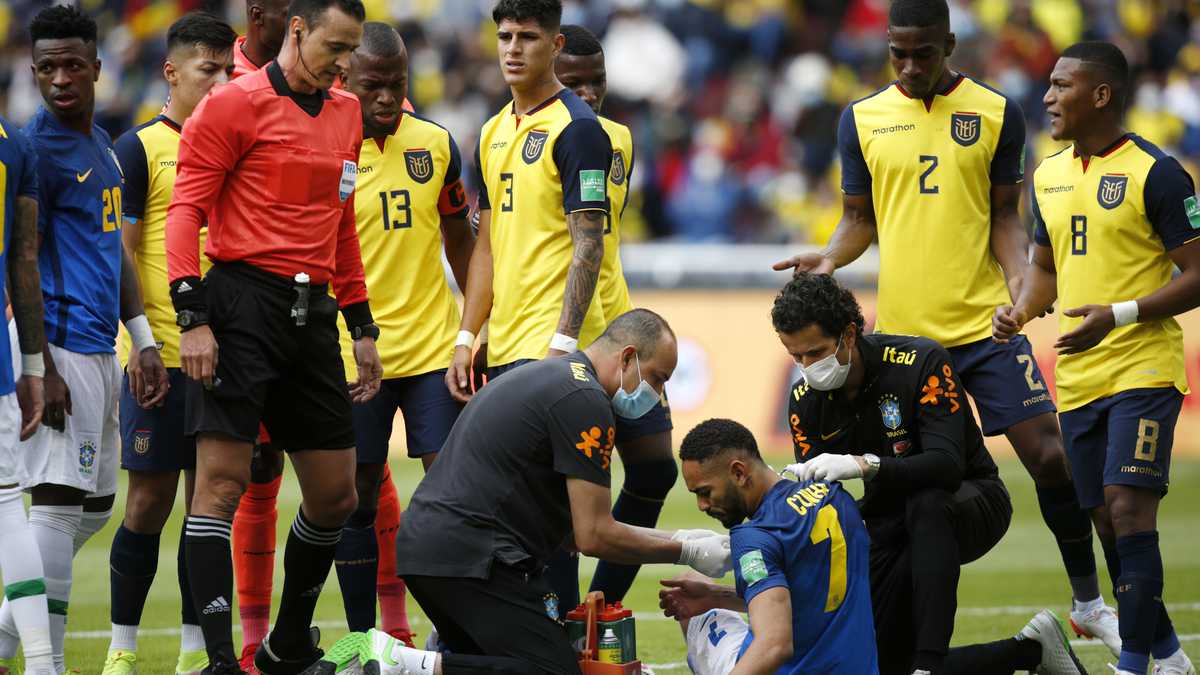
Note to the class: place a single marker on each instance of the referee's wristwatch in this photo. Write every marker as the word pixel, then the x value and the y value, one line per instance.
pixel 188 319
pixel 367 330
pixel 872 466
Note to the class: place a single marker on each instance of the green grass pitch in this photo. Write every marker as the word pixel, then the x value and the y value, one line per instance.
pixel 997 594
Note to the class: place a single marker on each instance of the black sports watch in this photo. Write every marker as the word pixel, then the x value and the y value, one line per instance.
pixel 188 319
pixel 366 330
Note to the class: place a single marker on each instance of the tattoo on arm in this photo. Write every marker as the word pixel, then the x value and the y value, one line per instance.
pixel 131 290
pixel 587 231
pixel 25 282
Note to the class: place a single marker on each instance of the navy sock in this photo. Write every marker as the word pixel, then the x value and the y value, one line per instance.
pixel 1166 642
pixel 562 573
pixel 1113 560
pixel 306 563
pixel 357 563
pixel 1139 598
pixel 187 608
pixel 1072 529
pixel 1002 657
pixel 640 502
pixel 210 571
pixel 132 563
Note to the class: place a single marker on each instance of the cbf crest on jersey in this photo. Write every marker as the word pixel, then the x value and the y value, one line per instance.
pixel 535 142
pixel 889 410
pixel 617 172
pixel 419 164
pixel 1111 192
pixel 965 128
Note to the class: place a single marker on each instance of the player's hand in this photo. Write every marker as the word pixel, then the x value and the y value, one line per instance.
pixel 814 263
pixel 58 401
pixel 685 598
pixel 370 371
pixel 555 352
pixel 198 354
pixel 709 556
pixel 479 368
pixel 458 375
pixel 1006 323
pixel 148 378
pixel 684 535
pixel 1098 321
pixel 31 398
pixel 826 468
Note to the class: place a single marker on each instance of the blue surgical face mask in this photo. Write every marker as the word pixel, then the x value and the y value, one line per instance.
pixel 641 401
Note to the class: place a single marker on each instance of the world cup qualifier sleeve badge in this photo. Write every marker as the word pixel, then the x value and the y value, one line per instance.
pixel 419 164
pixel 535 143
pixel 965 127
pixel 1111 192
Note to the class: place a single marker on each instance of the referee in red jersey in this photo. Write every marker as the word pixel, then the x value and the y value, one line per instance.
pixel 269 161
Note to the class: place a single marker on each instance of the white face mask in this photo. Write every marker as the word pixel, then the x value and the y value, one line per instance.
pixel 828 373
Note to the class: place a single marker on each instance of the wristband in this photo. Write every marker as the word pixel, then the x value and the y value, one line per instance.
pixel 33 365
pixel 564 343
pixel 139 332
pixel 189 293
pixel 465 339
pixel 1125 313
pixel 483 338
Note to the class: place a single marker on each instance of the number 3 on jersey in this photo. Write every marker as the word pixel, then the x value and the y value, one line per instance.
pixel 399 202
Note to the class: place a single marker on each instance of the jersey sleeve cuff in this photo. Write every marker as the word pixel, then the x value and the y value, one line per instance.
pixel 189 293
pixel 764 585
pixel 357 315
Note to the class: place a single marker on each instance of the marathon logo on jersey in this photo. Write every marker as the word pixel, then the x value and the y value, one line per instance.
pixel 87 457
pixel 141 441
pixel 419 164
pixel 1111 192
pixel 535 142
pixel 965 127
pixel 349 177
pixel 889 409
pixel 617 173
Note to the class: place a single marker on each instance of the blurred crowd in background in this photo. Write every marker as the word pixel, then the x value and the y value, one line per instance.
pixel 733 103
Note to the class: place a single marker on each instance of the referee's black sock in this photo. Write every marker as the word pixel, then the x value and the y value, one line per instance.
pixel 357 563
pixel 306 563
pixel 210 570
pixel 1072 529
pixel 1002 657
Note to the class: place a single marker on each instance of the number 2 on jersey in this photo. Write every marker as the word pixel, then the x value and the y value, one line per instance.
pixel 926 188
pixel 827 526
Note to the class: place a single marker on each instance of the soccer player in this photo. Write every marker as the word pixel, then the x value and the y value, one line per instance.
pixel 410 206
pixel 1114 216
pixel 800 567
pixel 933 497
pixel 88 284
pixel 270 161
pixel 154 447
pixel 22 403
pixel 932 166
pixel 645 443
pixel 266 22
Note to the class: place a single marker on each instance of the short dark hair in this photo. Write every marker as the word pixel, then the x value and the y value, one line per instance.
pixel 715 436
pixel 919 13
pixel 1107 63
pixel 311 10
pixel 380 39
pixel 200 28
pixel 580 41
pixel 548 13
pixel 62 22
pixel 819 299
pixel 641 328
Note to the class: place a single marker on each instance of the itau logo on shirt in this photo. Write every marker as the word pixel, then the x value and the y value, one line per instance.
pixel 591 185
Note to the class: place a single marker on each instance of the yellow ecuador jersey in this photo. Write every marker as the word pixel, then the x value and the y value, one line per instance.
pixel 148 154
pixel 534 169
pixel 1110 222
pixel 404 188
pixel 929 167
pixel 612 291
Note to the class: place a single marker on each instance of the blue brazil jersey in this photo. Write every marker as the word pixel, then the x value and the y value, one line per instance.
pixel 18 178
pixel 809 538
pixel 79 219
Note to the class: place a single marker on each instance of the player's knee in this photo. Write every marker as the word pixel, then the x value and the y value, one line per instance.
pixel 1046 460
pixel 267 464
pixel 362 518
pixel 651 480
pixel 1131 509
pixel 219 497
pixel 147 507
pixel 928 506
pixel 367 484
pixel 335 509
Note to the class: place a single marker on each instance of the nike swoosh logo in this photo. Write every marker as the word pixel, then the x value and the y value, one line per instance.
pixel 423 660
pixel 826 437
pixel 83 176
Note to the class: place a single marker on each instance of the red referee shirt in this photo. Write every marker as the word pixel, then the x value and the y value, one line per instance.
pixel 276 181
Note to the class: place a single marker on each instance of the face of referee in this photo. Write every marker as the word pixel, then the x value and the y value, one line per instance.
pixel 381 85
pixel 66 71
pixel 527 52
pixel 325 48
pixel 584 75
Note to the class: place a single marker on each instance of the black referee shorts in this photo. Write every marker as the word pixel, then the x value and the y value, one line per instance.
pixel 508 623
pixel 915 562
pixel 289 377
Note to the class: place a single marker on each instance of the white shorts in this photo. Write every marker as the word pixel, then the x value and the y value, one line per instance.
pixel 714 640
pixel 12 468
pixel 88 453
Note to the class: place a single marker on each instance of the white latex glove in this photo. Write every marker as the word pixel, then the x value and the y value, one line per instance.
pixel 826 468
pixel 684 535
pixel 709 556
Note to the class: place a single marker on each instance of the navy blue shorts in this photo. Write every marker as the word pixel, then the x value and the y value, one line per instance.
pixel 155 439
pixel 492 372
pixel 1123 439
pixel 1004 381
pixel 429 414
pixel 657 421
